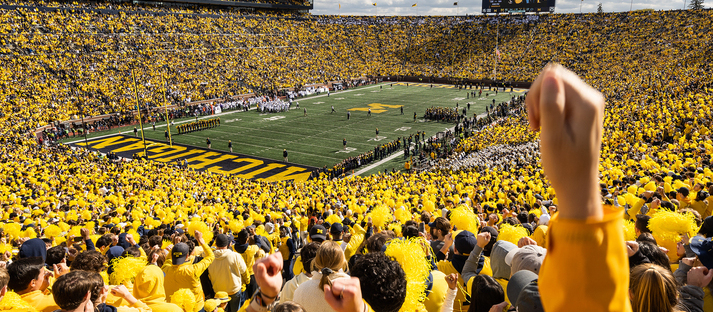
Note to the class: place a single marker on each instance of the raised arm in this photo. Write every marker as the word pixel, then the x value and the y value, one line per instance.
pixel 586 263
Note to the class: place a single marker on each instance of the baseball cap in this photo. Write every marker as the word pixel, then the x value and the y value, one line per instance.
pixel 269 227
pixel 336 228
pixel 528 257
pixel 683 190
pixel 211 305
pixel 497 258
pixel 222 296
pixel 318 233
pixel 179 253
pixel 523 293
pixel 222 240
pixel 703 248
pixel 544 219
pixel 464 242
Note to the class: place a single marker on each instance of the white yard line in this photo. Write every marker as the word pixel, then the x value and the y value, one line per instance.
pixel 221 114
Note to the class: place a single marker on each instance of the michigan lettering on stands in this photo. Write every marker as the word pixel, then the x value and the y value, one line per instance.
pixel 242 166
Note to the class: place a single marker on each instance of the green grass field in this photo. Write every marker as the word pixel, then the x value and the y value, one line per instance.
pixel 316 140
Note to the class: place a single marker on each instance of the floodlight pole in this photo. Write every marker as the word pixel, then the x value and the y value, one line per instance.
pixel 84 129
pixel 165 111
pixel 138 110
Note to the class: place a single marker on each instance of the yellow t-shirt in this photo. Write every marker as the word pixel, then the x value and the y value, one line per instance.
pixel 437 296
pixel 251 254
pixel 459 304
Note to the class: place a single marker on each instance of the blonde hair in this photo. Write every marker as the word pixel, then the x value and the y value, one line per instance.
pixel 653 289
pixel 329 256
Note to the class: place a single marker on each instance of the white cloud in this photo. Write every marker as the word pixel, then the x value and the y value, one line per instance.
pixel 446 7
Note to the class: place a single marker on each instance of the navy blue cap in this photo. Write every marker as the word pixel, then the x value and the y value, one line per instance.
pixel 464 242
pixel 336 228
pixel 703 248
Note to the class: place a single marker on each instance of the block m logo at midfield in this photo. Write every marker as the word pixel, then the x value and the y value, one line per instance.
pixel 376 108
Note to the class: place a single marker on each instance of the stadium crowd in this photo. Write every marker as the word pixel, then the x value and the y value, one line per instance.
pixel 82 231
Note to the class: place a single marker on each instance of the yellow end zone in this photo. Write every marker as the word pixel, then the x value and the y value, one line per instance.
pixel 242 166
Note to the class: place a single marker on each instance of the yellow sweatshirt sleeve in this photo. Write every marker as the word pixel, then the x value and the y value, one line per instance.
pixel 201 266
pixel 142 254
pixel 586 268
pixel 635 209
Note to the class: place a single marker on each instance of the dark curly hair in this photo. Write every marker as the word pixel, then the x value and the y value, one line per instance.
pixel 383 281
pixel 91 260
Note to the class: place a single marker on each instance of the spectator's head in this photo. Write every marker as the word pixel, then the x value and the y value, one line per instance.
pixel 243 236
pixel 307 254
pixel 27 275
pixel 56 255
pixel 642 224
pixel 682 193
pixel 646 237
pixel 544 219
pixel 376 242
pixel 654 254
pixel 522 217
pixel 161 256
pixel 652 288
pixel 132 251
pixel 33 248
pixel 91 260
pixel 72 289
pixel 528 257
pixel 336 230
pixel 523 293
pixel 155 240
pixel 289 306
pixel 180 253
pixel 493 238
pixel 284 231
pixel 440 227
pixel 383 281
pixel 497 258
pixel 211 305
pixel 410 231
pixel 103 242
pixel 222 241
pixel 329 260
pixel 702 248
pixel 464 243
pixel 318 233
pixel 486 292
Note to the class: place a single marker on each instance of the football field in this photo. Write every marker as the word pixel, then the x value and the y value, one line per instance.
pixel 316 139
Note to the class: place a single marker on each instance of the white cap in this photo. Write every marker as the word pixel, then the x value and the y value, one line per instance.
pixel 544 219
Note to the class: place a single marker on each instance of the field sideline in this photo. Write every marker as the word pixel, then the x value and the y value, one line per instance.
pixel 316 139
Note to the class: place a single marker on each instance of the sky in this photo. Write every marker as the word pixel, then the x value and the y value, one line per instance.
pixel 446 7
